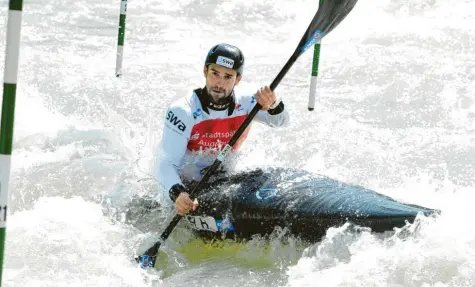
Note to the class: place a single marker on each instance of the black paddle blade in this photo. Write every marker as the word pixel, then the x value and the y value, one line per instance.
pixel 145 261
pixel 328 16
pixel 149 258
pixel 159 259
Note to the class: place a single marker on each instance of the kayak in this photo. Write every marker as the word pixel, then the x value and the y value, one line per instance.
pixel 259 201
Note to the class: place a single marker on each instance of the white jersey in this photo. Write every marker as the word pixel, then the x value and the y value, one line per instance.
pixel 191 137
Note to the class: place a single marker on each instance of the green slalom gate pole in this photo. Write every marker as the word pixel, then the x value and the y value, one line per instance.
pixel 314 94
pixel 120 42
pixel 12 53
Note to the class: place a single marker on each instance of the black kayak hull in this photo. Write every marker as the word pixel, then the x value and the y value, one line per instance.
pixel 307 205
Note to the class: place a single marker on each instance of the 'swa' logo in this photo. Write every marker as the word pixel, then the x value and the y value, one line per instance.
pixel 225 62
pixel 176 121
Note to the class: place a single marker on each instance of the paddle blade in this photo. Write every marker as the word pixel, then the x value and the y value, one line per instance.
pixel 145 261
pixel 149 258
pixel 328 16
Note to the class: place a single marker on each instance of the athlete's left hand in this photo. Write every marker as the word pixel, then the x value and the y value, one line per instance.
pixel 265 97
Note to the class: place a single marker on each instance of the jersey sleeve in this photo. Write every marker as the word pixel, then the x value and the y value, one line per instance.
pixel 277 118
pixel 172 148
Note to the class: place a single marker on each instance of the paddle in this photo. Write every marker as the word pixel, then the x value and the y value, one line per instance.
pixel 328 16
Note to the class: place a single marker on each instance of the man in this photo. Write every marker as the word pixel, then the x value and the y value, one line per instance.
pixel 199 125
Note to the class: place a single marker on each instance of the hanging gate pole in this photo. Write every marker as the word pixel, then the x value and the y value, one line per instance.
pixel 12 53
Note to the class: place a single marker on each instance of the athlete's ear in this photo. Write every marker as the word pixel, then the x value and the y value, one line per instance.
pixel 238 79
pixel 205 70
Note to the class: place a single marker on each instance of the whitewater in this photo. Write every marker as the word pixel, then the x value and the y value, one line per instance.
pixel 396 114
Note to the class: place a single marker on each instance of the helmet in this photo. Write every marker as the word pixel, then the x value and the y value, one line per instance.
pixel 227 56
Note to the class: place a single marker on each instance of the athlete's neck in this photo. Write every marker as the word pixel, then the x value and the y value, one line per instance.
pixel 207 100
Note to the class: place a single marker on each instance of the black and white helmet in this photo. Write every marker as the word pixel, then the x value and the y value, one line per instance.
pixel 227 56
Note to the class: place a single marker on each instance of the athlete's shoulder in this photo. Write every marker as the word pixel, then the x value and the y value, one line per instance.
pixel 186 102
pixel 178 116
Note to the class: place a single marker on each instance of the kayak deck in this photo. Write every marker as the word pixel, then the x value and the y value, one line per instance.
pixel 306 204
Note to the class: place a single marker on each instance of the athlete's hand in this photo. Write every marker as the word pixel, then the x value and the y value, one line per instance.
pixel 184 204
pixel 265 97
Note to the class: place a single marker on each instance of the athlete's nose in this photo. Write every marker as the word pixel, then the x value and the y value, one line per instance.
pixel 219 83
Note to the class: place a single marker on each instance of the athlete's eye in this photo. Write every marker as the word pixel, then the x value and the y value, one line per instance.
pixel 228 77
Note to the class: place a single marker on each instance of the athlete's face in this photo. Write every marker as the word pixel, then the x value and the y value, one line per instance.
pixel 220 82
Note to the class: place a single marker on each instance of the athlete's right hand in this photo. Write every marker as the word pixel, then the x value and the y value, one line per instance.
pixel 184 204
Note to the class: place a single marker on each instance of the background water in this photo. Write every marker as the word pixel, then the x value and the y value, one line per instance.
pixel 397 114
